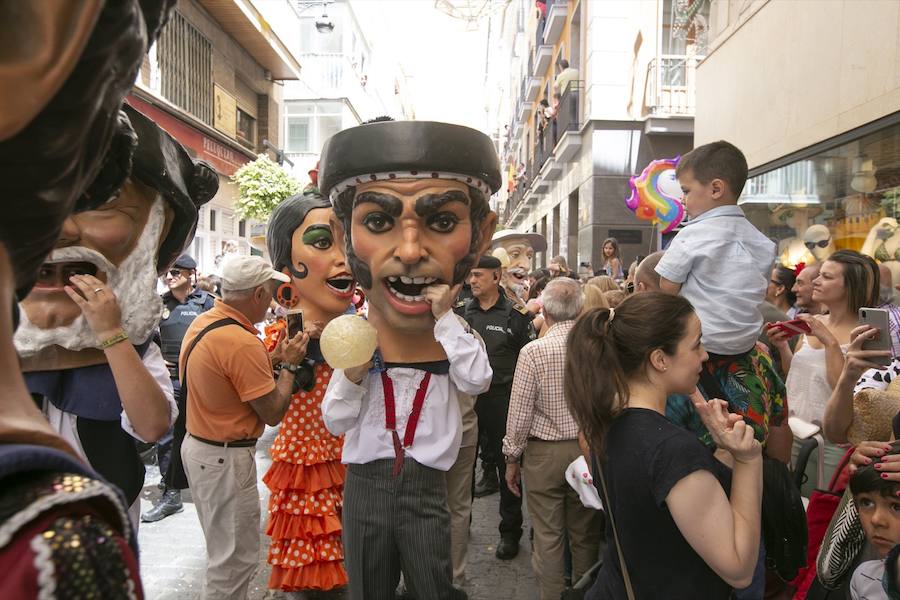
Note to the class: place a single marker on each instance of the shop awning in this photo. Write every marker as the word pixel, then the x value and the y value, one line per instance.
pixel 241 20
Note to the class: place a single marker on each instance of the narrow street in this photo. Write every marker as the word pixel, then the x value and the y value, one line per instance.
pixel 173 552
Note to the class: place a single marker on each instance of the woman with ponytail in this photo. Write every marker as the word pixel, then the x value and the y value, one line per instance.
pixel 666 495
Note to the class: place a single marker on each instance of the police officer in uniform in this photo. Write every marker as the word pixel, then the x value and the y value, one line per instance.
pixel 505 328
pixel 181 305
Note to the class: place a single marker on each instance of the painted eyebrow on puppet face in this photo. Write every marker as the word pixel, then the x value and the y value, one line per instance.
pixel 430 203
pixel 392 205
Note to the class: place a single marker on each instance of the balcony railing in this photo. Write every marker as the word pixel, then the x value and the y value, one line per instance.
pixel 331 72
pixel 530 70
pixel 557 11
pixel 568 115
pixel 513 201
pixel 544 144
pixel 672 85
pixel 530 171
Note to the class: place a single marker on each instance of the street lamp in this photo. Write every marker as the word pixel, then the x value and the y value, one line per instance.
pixel 280 158
pixel 323 24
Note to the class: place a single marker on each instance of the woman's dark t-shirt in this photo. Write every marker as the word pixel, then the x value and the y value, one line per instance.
pixel 646 455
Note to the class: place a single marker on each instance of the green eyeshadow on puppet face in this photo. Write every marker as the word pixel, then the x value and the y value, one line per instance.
pixel 318 236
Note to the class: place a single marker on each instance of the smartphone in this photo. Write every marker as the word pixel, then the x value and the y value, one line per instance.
pixel 877 318
pixel 294 321
pixel 793 327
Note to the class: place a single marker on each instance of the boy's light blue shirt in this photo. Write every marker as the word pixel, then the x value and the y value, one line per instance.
pixel 723 264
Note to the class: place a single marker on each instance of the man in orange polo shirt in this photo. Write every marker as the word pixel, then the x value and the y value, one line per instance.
pixel 231 394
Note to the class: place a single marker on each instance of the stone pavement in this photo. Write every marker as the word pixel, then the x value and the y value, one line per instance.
pixel 173 552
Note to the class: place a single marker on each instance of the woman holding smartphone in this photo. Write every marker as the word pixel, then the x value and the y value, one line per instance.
pixel 861 371
pixel 687 526
pixel 847 282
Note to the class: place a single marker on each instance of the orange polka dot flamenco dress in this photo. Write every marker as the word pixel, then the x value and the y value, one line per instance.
pixel 306 482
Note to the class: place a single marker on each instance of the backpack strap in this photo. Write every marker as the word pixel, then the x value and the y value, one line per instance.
pixel 175 477
pixel 196 340
pixel 629 591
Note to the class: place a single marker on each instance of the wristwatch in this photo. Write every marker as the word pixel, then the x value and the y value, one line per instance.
pixel 511 460
pixel 292 368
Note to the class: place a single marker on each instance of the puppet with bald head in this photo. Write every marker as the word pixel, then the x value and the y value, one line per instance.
pixel 411 198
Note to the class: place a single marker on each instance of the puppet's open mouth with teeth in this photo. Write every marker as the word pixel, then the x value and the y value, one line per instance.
pixel 341 285
pixel 407 294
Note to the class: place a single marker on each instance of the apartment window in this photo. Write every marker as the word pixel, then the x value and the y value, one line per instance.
pixel 246 129
pixel 242 228
pixel 212 220
pixel 185 64
pixel 309 124
pixel 684 27
pixel 328 126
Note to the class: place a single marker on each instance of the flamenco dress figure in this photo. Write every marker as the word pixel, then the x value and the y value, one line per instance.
pixel 306 478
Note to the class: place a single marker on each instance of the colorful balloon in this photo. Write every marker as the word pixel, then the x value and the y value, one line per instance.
pixel 656 195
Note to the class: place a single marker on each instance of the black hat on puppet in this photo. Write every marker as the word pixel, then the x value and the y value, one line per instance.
pixel 408 149
pixel 161 163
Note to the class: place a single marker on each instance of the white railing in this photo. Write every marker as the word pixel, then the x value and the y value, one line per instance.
pixel 672 85
pixel 791 184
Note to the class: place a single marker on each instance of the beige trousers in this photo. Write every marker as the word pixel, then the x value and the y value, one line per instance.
pixel 556 510
pixel 223 487
pixel 459 501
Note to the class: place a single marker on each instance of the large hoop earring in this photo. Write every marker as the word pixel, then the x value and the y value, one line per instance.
pixel 287 295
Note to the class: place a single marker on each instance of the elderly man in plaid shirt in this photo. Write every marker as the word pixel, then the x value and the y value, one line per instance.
pixel 543 436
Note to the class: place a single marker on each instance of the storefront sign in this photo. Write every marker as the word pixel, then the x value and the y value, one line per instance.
pixel 223 158
pixel 224 112
pixel 627 236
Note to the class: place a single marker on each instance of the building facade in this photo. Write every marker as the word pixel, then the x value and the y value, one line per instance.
pixel 213 81
pixel 343 81
pixel 626 99
pixel 811 94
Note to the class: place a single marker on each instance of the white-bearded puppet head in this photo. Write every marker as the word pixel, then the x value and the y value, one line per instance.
pixel 97 242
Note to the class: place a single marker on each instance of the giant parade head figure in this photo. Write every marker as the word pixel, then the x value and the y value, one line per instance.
pixel 61 100
pixel 411 198
pixel 301 243
pixel 61 90
pixel 521 248
pixel 126 242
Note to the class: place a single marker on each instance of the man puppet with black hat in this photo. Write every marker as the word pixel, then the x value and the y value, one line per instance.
pixel 411 198
pixel 505 328
pixel 183 303
pixel 85 336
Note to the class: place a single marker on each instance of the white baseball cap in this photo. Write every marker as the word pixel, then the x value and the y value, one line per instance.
pixel 246 272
